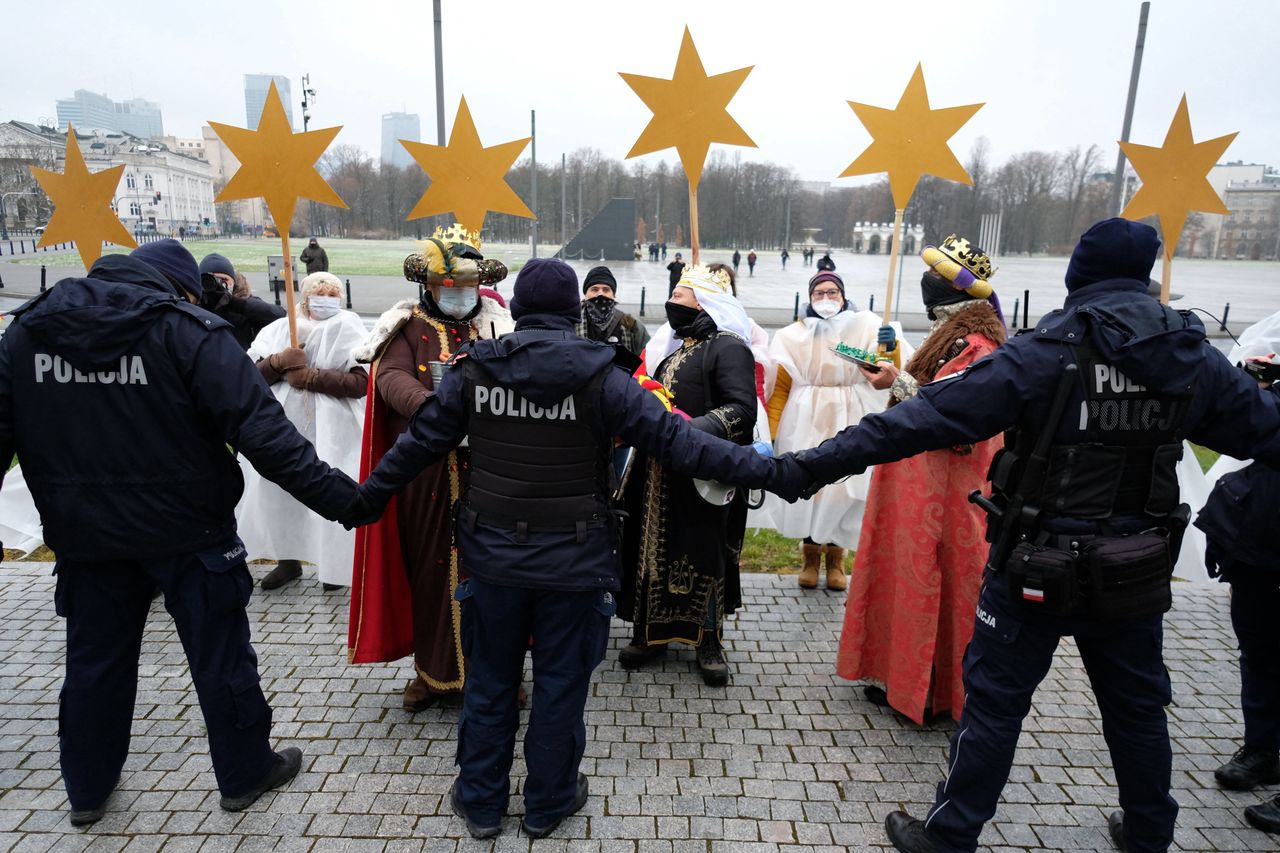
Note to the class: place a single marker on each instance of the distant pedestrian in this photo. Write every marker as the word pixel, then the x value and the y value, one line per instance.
pixel 785 256
pixel 663 246
pixel 675 269
pixel 316 259
pixel 737 259
pixel 751 262
pixel 825 262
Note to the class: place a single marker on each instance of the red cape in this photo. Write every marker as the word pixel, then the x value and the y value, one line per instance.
pixel 381 624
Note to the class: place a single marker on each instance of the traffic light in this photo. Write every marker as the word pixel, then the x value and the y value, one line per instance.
pixel 157 195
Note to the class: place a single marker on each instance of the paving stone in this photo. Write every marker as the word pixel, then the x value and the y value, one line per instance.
pixel 788 757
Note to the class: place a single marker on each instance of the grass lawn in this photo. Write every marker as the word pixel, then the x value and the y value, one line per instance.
pixel 346 257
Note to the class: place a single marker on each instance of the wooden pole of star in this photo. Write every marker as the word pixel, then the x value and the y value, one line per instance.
pixel 695 243
pixel 291 310
pixel 1166 279
pixel 894 249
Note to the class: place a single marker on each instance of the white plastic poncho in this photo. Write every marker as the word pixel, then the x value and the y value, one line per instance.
pixel 272 524
pixel 827 394
pixel 20 526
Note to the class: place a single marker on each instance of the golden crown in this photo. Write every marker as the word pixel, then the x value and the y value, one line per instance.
pixel 455 233
pixel 969 256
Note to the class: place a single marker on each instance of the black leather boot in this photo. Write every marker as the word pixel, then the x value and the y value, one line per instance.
pixel 907 833
pixel 1247 770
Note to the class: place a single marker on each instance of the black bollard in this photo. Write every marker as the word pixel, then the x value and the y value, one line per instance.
pixel 642 301
pixel 43 273
pixel 1225 311
pixel 1026 307
pixel 348 294
pixel 276 287
pixel 795 311
pixel 871 303
pixel 1015 315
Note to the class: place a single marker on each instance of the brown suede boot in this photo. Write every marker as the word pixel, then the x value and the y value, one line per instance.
pixel 835 569
pixel 417 696
pixel 812 562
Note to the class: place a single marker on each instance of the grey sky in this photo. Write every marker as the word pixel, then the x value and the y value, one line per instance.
pixel 1052 73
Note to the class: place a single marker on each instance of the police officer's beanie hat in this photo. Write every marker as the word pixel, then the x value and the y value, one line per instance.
pixel 171 259
pixel 600 275
pixel 1113 248
pixel 215 263
pixel 546 286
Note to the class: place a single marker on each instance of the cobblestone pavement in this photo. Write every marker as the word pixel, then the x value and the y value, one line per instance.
pixel 788 757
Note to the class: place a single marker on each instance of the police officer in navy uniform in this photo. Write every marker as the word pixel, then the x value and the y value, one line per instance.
pixel 1139 377
pixel 1239 521
pixel 125 402
pixel 536 534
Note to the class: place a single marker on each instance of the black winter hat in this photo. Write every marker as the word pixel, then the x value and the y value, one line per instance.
pixel 1113 248
pixel 600 275
pixel 215 263
pixel 546 286
pixel 171 258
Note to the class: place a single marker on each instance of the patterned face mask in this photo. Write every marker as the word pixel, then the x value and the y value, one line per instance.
pixel 598 309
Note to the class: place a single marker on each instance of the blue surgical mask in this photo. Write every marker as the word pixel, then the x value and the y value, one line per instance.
pixel 323 307
pixel 457 301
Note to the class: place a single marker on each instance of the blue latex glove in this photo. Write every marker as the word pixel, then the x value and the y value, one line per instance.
pixel 887 338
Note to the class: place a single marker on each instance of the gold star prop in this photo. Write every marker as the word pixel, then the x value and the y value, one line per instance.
pixel 1175 178
pixel 277 164
pixel 911 140
pixel 467 179
pixel 690 111
pixel 82 205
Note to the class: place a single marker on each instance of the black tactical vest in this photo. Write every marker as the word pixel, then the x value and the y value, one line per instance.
pixel 1124 454
pixel 534 468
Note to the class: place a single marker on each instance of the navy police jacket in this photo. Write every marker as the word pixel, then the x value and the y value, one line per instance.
pixel 545 365
pixel 1149 344
pixel 125 403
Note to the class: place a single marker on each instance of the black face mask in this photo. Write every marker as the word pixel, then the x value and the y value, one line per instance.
pixel 679 315
pixel 598 309
pixel 937 291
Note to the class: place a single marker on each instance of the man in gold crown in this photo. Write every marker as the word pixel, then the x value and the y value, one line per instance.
pixel 680 551
pixel 915 583
pixel 406 566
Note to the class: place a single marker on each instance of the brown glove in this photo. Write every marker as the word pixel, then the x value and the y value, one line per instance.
pixel 274 367
pixel 301 377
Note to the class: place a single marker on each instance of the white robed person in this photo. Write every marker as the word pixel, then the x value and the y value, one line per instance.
pixel 321 388
pixel 816 393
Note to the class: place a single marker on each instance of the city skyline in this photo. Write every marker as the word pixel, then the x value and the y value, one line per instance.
pixel 1052 75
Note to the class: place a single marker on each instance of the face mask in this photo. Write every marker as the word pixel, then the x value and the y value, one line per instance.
pixel 323 307
pixel 679 315
pixel 826 308
pixel 457 301
pixel 598 309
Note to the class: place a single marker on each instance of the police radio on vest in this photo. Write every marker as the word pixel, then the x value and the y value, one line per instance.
pixel 130 371
pixel 503 402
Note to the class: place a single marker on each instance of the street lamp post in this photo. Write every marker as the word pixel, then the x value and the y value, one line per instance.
pixel 308 98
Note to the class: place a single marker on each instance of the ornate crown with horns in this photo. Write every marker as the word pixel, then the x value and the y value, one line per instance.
pixel 964 265
pixel 451 258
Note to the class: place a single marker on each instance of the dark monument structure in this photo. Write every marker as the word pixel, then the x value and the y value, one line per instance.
pixel 609 235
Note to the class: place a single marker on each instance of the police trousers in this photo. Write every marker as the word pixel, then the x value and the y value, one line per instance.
pixel 1254 605
pixel 570 631
pixel 105 605
pixel 1006 660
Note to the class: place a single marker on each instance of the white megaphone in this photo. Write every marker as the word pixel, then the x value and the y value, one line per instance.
pixel 718 494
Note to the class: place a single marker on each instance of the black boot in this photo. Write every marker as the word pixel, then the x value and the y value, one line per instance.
pixel 1247 770
pixel 1265 816
pixel 579 800
pixel 907 834
pixel 639 652
pixel 711 662
pixel 287 764
pixel 285 571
